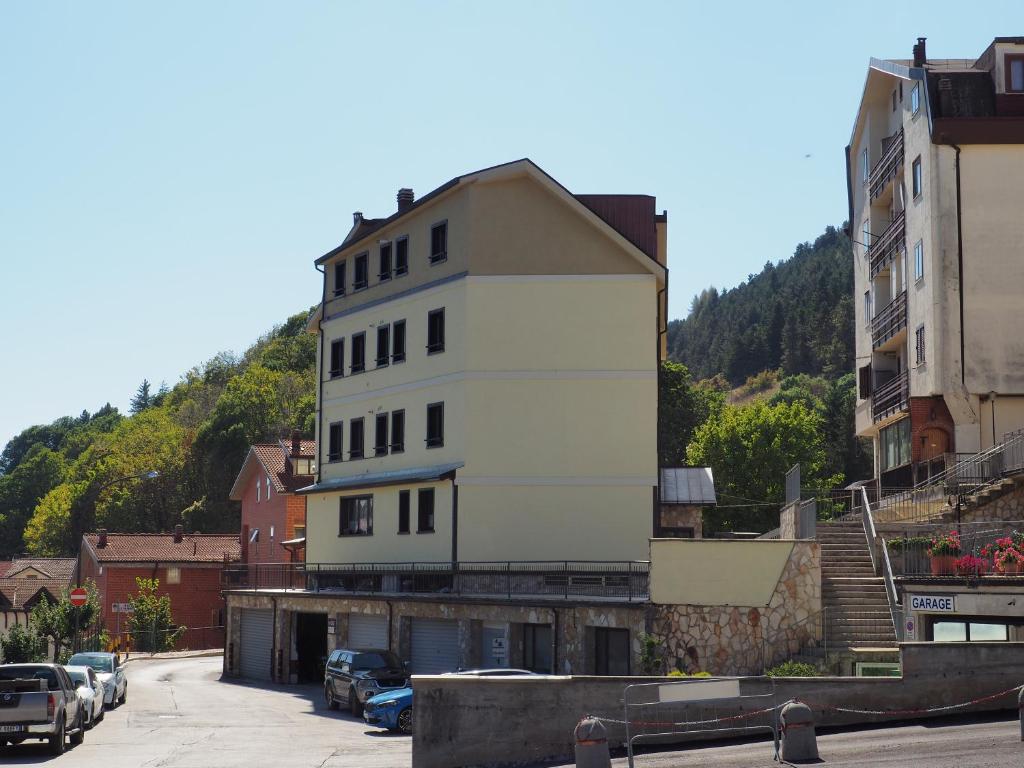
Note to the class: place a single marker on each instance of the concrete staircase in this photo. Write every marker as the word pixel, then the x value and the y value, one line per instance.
pixel 857 608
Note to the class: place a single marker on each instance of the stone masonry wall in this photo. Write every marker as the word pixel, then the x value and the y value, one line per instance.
pixel 728 640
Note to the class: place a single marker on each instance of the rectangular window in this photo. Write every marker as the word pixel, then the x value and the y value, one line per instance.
pixel 611 651
pixel 439 242
pixel 864 381
pixel 917 185
pixel 894 444
pixel 537 642
pixel 380 442
pixel 1015 73
pixel 397 431
pixel 339 279
pixel 299 532
pixel 866 234
pixel 435 331
pixel 918 260
pixel 362 275
pixel 919 344
pixel 355 438
pixel 401 256
pixel 865 169
pixel 358 352
pixel 435 425
pixel 403 511
pixel 174 573
pixel 915 99
pixel 385 262
pixel 960 631
pixel 867 308
pixel 398 342
pixel 383 345
pixel 337 358
pixel 334 442
pixel 356 516
pixel 895 100
pixel 425 511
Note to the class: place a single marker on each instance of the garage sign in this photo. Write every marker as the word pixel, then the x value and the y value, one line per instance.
pixel 933 603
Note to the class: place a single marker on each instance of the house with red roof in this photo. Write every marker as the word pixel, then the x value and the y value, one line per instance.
pixel 189 568
pixel 273 528
pixel 27 580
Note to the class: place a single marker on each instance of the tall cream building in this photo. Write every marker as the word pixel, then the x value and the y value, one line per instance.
pixel 935 175
pixel 488 376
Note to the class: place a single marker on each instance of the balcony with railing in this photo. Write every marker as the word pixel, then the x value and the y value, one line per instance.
pixel 888 166
pixel 508 580
pixel 888 245
pixel 891 398
pixel 890 321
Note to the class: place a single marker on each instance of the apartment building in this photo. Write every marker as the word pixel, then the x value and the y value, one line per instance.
pixel 935 177
pixel 486 477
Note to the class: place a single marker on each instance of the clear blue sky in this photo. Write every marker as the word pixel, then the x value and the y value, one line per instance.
pixel 168 172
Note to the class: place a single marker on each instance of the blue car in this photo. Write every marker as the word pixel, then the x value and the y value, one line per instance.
pixel 391 710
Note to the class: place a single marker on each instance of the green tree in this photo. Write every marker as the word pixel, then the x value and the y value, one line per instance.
pixel 39 472
pixel 58 622
pixel 684 406
pixel 750 448
pixel 151 623
pixel 22 645
pixel 142 399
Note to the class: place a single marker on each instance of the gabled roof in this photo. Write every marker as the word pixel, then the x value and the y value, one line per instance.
pixel 24 581
pixel 596 208
pixel 687 485
pixel 162 548
pixel 270 458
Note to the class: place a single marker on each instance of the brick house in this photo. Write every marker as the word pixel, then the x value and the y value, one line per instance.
pixel 189 568
pixel 273 516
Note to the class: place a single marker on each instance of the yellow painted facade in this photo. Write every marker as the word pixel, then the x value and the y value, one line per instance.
pixel 548 379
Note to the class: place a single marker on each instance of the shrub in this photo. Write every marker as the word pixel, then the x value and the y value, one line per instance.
pixel 904 544
pixel 969 565
pixel 680 673
pixel 759 382
pixel 652 657
pixel 793 669
pixel 22 645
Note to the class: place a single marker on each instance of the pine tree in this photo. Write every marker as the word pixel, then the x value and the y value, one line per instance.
pixel 142 399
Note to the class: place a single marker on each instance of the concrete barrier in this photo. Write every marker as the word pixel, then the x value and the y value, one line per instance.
pixel 463 721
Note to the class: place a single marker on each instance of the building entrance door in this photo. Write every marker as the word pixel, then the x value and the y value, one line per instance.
pixel 310 646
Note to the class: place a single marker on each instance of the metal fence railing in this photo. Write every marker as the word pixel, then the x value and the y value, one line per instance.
pixel 980 543
pixel 627 580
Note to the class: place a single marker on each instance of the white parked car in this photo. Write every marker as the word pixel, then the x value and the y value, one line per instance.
pixel 108 669
pixel 90 693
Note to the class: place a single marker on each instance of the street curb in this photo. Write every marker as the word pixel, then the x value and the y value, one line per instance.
pixel 174 655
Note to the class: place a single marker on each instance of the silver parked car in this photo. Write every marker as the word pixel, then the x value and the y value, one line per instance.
pixel 91 693
pixel 108 669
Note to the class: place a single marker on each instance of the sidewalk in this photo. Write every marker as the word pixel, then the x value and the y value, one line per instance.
pixel 142 656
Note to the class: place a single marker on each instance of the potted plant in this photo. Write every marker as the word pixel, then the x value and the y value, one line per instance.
pixel 969 565
pixel 907 553
pixel 998 548
pixel 944 551
pixel 1010 560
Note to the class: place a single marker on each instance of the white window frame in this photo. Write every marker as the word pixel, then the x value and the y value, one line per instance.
pixel 867 308
pixel 865 168
pixel 865 233
pixel 268 487
pixel 258 490
pixel 915 100
pixel 919 261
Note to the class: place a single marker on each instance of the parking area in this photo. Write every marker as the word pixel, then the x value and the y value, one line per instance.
pixel 179 715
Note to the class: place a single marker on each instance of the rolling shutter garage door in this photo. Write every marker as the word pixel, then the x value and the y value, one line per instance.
pixel 435 646
pixel 257 639
pixel 366 630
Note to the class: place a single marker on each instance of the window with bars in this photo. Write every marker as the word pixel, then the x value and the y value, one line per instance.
pixel 385 262
pixel 919 349
pixel 337 358
pixel 362 272
pixel 435 331
pixel 439 242
pixel 401 256
pixel 398 342
pixel 334 441
pixel 355 438
pixel 398 431
pixel 358 352
pixel 380 441
pixel 383 345
pixel 435 425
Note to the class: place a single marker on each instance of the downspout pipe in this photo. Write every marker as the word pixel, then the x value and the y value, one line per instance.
pixel 319 371
pixel 960 266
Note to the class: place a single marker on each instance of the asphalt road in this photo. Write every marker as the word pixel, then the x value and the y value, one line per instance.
pixel 989 741
pixel 179 715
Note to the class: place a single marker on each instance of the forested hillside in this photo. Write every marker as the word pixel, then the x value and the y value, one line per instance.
pixel 80 473
pixel 796 317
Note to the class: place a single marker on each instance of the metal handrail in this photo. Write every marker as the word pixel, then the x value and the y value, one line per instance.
pixel 886 166
pixel 890 320
pixel 895 609
pixel 888 244
pixel 891 397
pixel 986 461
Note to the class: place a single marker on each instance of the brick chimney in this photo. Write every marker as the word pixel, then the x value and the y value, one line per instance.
pixel 179 533
pixel 296 443
pixel 405 199
pixel 920 56
pixel 101 542
pixel 357 218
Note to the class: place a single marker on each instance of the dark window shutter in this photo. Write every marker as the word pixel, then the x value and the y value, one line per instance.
pixel 865 382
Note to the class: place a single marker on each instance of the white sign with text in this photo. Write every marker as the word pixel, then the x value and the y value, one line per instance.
pixel 933 603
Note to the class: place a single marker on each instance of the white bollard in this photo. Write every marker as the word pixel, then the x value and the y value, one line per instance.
pixel 798 738
pixel 591 744
pixel 1020 710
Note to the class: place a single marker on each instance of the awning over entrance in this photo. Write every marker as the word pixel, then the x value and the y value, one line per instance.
pixel 375 479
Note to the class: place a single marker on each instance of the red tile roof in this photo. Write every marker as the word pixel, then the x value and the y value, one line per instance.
pixel 18 590
pixel 272 457
pixel 161 547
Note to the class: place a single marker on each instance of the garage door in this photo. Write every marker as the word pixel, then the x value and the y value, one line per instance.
pixel 366 630
pixel 257 639
pixel 435 646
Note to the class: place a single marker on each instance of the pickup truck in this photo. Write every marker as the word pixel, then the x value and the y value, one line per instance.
pixel 38 701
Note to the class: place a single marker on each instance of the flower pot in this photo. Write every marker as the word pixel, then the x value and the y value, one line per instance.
pixel 943 565
pixel 1010 569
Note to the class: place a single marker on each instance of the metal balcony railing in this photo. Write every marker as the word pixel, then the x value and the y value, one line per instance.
pixel 887 167
pixel 888 245
pixel 621 580
pixel 889 321
pixel 892 397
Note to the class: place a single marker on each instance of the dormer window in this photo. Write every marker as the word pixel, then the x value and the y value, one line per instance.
pixel 1015 73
